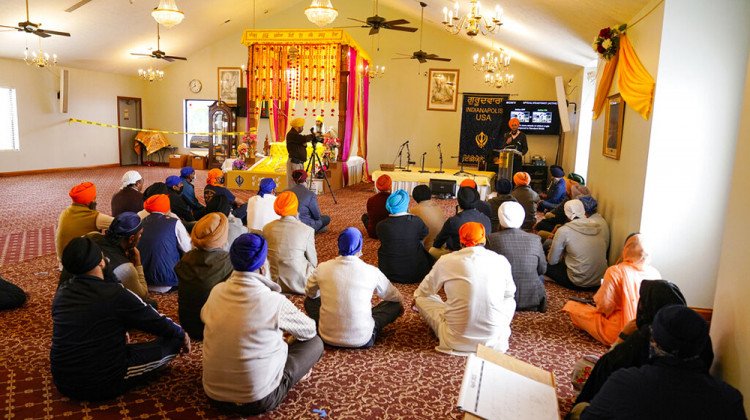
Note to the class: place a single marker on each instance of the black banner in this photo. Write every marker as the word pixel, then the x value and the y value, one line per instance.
pixel 481 126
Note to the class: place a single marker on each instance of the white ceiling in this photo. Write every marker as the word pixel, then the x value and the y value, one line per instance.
pixel 553 36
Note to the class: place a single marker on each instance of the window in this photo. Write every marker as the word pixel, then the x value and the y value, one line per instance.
pixel 196 121
pixel 8 120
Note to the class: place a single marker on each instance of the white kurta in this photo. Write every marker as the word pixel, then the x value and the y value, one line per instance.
pixel 260 212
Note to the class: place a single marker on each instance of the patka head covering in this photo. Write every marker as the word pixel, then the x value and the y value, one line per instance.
pixel 83 193
pixel 680 331
pixel 521 178
pixel 513 120
pixel 186 171
pixel 577 178
pixel 130 178
pixel 471 234
pixel 248 252
pixel 468 182
pixel 350 241
pixel 81 255
pixel 503 186
pixel 157 203
pixel 124 225
pixel 574 209
pixel 213 177
pixel 299 176
pixel 556 171
pixel 173 180
pixel 578 191
pixel 266 186
pixel 467 198
pixel 383 183
pixel 421 193
pixel 589 204
pixel 511 214
pixel 219 204
pixel 286 204
pixel 398 202
pixel 298 122
pixel 320 119
pixel 210 232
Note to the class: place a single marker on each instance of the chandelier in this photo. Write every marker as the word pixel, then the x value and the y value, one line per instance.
pixel 498 80
pixel 473 22
pixel 375 73
pixel 167 13
pixel 492 62
pixel 321 12
pixel 151 75
pixel 40 60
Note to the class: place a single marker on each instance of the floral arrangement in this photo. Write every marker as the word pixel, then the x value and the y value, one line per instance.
pixel 331 144
pixel 608 41
pixel 239 165
pixel 251 140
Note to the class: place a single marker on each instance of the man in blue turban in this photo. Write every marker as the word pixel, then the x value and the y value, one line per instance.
pixel 177 203
pixel 260 210
pixel 339 293
pixel 187 174
pixel 248 368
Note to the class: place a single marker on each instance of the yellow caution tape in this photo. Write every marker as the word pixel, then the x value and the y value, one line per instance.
pixel 235 133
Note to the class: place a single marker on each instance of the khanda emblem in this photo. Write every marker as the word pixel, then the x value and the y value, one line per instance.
pixel 481 139
pixel 239 180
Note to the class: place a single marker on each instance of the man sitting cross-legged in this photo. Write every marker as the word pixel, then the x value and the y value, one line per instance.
pixel 448 239
pixel 247 366
pixel 339 292
pixel 90 357
pixel 80 218
pixel 130 196
pixel 309 211
pixel 260 207
pixel 479 289
pixel 376 210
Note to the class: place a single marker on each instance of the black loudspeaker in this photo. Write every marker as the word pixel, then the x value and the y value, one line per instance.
pixel 242 102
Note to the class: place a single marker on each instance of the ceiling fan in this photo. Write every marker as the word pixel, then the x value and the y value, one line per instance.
pixel 159 53
pixel 420 55
pixel 376 23
pixel 33 28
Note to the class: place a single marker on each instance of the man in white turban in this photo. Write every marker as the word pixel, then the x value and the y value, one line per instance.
pixel 130 197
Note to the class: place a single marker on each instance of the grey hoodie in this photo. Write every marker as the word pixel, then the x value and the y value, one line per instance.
pixel 584 243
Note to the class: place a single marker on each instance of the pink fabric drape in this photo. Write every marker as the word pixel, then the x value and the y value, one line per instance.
pixel 351 90
pixel 366 111
pixel 280 120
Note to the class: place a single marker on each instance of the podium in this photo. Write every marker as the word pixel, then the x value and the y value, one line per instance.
pixel 504 160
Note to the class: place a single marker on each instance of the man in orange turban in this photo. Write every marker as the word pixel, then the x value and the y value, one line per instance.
pixel 80 218
pixel 214 187
pixel 516 140
pixel 296 146
pixel 527 197
pixel 286 204
pixel 376 210
pixel 480 291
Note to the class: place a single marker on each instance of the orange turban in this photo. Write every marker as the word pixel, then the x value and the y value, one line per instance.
pixel 286 204
pixel 213 177
pixel 468 183
pixel 521 178
pixel 471 233
pixel 83 193
pixel 157 203
pixel 514 120
pixel 383 183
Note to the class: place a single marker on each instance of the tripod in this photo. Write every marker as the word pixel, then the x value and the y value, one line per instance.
pixel 461 171
pixel 314 158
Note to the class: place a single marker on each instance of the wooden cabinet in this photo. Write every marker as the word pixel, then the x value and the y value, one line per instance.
pixel 538 177
pixel 220 120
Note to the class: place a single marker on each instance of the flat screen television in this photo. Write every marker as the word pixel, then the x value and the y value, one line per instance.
pixel 535 117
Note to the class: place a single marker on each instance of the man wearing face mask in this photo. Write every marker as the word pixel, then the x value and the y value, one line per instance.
pixel 516 139
pixel 177 203
pixel 187 175
pixel 80 218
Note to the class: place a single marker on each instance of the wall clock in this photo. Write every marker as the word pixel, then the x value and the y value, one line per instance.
pixel 195 85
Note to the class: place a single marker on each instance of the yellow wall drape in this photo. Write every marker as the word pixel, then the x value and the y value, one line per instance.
pixel 602 90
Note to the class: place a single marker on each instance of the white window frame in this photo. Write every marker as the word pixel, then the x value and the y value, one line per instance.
pixel 8 120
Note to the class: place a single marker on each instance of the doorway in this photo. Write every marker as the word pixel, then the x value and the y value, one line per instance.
pixel 128 115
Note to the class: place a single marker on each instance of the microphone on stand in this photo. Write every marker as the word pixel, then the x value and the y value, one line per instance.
pixel 423 155
pixel 440 171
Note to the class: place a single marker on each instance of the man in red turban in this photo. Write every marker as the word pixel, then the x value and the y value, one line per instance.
pixel 80 218
pixel 376 211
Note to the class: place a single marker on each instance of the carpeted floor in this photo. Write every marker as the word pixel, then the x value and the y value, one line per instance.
pixel 401 377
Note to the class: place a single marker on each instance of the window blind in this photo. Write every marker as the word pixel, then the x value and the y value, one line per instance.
pixel 8 119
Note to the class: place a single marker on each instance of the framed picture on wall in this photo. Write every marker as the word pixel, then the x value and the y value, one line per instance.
pixel 229 79
pixel 442 90
pixel 613 126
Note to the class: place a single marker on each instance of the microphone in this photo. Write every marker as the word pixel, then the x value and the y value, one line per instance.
pixel 424 153
pixel 438 144
pixel 312 130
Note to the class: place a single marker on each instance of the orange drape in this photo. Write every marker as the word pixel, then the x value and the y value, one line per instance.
pixel 602 90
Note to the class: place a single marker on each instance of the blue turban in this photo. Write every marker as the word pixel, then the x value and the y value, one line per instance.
pixel 248 252
pixel 398 202
pixel 186 171
pixel 124 225
pixel 350 241
pixel 589 204
pixel 266 186
pixel 556 171
pixel 173 180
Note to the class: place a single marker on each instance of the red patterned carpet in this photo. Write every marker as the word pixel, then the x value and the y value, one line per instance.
pixel 401 377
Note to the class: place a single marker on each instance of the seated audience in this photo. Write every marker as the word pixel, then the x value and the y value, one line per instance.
pixel 577 258
pixel 129 198
pixel 291 246
pixel 503 187
pixel 482 206
pixel 617 297
pixel 187 174
pixel 80 218
pixel 177 203
pixel 248 367
pixel 429 211
pixel 448 236
pixel 214 187
pixel 163 241
pixel 525 255
pixel 479 292
pixel 376 205
pixel 401 256
pixel 260 206
pixel 91 358
pixel 235 228
pixel 200 269
pixel 152 190
pixel 590 206
pixel 556 217
pixel 11 296
pixel 309 212
pixel 526 196
pixel 675 385
pixel 339 294
pixel 555 191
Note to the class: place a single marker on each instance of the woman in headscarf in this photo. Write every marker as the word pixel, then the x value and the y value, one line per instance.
pixel 617 298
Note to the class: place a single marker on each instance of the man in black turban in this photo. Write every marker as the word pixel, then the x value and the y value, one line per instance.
pixel 468 199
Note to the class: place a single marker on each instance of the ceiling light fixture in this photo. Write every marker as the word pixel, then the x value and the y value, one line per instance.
pixel 167 13
pixel 495 61
pixel 474 22
pixel 378 72
pixel 321 12
pixel 151 75
pixel 40 60
pixel 498 80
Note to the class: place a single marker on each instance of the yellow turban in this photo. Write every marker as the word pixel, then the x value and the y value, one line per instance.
pixel 298 122
pixel 471 234
pixel 286 204
pixel 319 119
pixel 210 232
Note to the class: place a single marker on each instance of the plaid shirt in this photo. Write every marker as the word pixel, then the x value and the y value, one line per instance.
pixel 527 261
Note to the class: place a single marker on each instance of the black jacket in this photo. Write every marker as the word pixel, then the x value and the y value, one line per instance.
pixel 402 256
pixel 449 233
pixel 296 145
